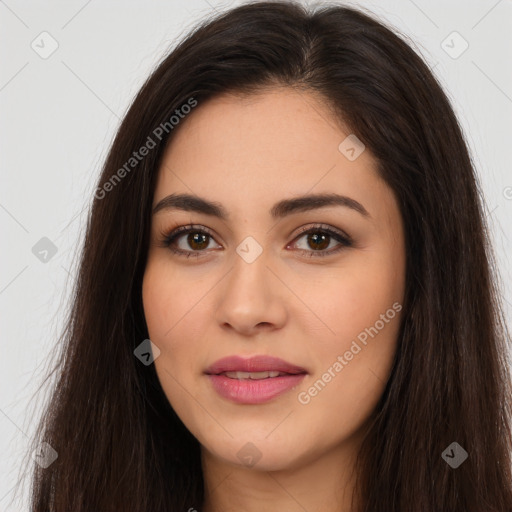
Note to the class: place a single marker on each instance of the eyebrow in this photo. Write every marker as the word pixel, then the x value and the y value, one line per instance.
pixel 193 203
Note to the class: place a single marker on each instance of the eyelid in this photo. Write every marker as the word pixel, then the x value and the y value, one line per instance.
pixel 324 227
pixel 169 236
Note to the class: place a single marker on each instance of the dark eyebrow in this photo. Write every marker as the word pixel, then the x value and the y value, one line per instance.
pixel 192 203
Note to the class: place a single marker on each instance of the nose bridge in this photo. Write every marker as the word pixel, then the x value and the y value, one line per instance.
pixel 250 275
pixel 251 294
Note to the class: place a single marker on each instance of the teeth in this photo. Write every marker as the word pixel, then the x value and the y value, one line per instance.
pixel 252 375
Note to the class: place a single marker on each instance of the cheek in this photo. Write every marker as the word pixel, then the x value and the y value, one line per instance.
pixel 351 299
pixel 155 302
pixel 165 319
pixel 176 328
pixel 177 313
pixel 352 372
pixel 165 315
pixel 361 307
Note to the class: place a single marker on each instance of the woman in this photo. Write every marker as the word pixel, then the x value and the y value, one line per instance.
pixel 286 297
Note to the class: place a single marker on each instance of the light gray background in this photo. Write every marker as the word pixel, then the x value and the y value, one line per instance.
pixel 59 114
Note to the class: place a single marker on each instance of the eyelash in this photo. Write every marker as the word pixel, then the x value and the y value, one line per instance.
pixel 168 239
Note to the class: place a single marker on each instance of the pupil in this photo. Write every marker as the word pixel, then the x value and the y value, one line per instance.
pixel 316 237
pixel 194 238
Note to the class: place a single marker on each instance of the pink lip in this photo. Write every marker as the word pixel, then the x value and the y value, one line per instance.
pixel 259 363
pixel 252 391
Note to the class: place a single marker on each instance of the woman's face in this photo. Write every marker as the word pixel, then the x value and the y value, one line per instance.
pixel 253 284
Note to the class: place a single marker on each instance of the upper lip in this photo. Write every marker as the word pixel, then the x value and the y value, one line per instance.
pixel 259 363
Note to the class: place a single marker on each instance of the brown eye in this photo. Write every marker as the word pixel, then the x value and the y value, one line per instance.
pixel 318 240
pixel 195 243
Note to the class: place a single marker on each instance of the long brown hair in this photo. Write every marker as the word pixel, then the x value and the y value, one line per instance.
pixel 120 445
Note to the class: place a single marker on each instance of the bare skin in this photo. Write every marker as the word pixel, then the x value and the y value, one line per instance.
pixel 248 153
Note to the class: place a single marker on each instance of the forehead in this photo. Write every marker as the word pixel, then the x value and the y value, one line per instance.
pixel 255 149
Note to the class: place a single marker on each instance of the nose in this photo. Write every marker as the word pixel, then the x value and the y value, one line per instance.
pixel 252 298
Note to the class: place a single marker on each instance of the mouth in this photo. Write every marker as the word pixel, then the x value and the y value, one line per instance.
pixel 259 366
pixel 255 375
pixel 255 380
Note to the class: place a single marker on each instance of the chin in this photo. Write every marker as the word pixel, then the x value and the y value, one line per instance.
pixel 260 454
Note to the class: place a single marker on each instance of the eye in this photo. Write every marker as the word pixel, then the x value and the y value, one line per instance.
pixel 318 237
pixel 198 239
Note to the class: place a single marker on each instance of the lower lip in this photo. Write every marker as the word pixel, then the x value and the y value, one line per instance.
pixel 253 391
